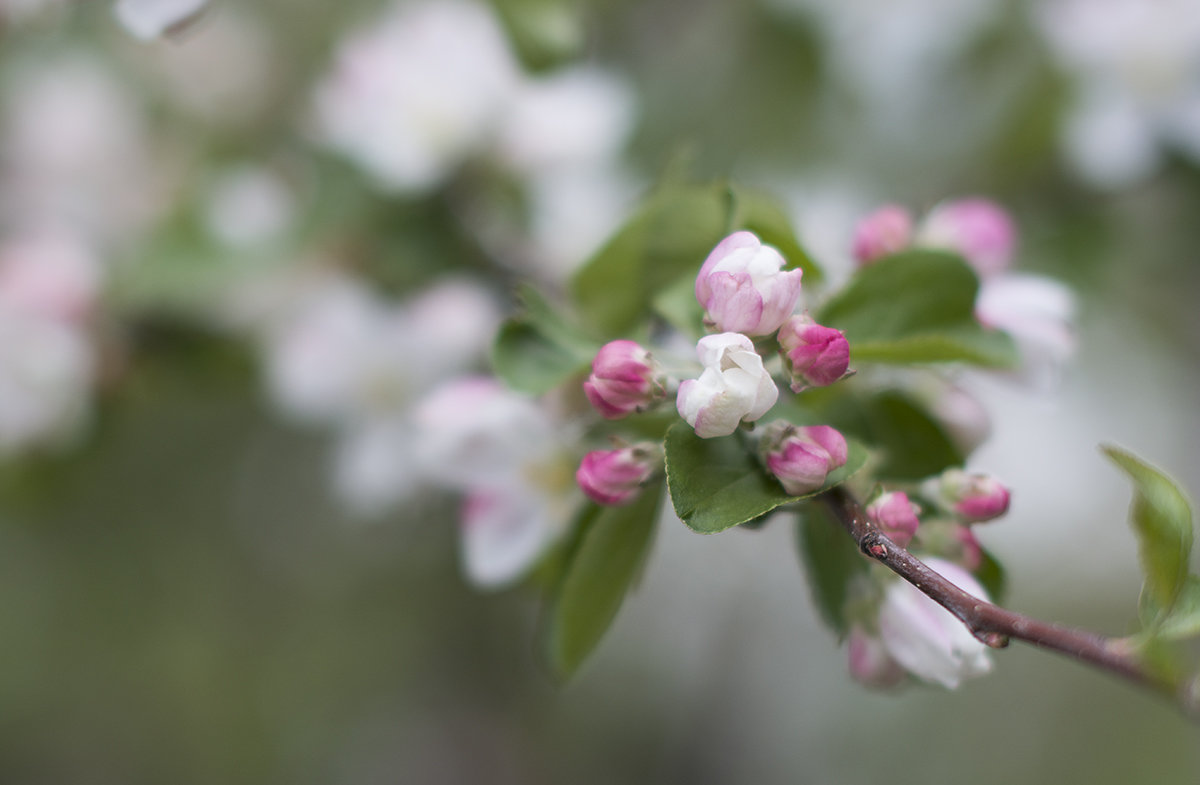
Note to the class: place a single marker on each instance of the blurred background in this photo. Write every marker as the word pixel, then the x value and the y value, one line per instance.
pixel 231 261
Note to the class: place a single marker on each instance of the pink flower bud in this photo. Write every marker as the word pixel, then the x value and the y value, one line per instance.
pixel 925 638
pixel 886 231
pixel 801 457
pixel 869 661
pixel 815 356
pixel 614 477
pixel 734 386
pixel 975 498
pixel 980 230
pixel 970 554
pixel 896 516
pixel 623 381
pixel 744 288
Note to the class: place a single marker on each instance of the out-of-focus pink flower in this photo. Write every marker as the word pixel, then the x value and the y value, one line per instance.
pixel 927 639
pixel 885 231
pixel 733 388
pixel 624 380
pixel 801 457
pixel 744 288
pixel 896 516
pixel 614 477
pixel 49 274
pixel 148 19
pixel 1039 313
pixel 869 661
pixel 975 498
pixel 815 356
pixel 978 229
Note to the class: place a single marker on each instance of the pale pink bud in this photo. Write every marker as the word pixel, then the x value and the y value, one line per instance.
pixel 815 356
pixel 869 661
pixel 886 231
pixel 801 457
pixel 896 516
pixel 970 553
pixel 926 638
pixel 744 288
pixel 733 388
pixel 978 229
pixel 614 477
pixel 975 498
pixel 624 380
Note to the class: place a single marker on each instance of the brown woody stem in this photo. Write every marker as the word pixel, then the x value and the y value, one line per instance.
pixel 990 623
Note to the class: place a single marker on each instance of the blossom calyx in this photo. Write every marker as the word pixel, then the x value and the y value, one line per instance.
pixel 744 288
pixel 625 379
pixel 815 356
pixel 896 516
pixel 801 457
pixel 733 388
pixel 614 477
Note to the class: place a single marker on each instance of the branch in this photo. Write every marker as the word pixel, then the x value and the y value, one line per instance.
pixel 990 623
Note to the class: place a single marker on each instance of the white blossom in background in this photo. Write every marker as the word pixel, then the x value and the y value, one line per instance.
pixel 339 355
pixel 74 152
pixel 148 19
pixel 1137 70
pixel 414 94
pixel 1040 314
pixel 249 206
pixel 49 274
pixel 508 454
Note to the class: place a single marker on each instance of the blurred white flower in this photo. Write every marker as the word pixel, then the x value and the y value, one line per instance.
pixel 46 370
pixel 48 274
pixel 507 453
pixel 1039 313
pixel 148 19
pixel 249 206
pixel 413 95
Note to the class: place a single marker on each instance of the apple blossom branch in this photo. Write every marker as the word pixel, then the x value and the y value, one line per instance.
pixel 990 623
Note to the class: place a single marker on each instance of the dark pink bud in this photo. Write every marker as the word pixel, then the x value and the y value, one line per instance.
pixel 802 457
pixel 614 477
pixel 896 516
pixel 624 380
pixel 886 231
pixel 815 356
pixel 975 498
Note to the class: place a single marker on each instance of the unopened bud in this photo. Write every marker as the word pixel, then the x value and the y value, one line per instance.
pixel 801 457
pixel 815 356
pixel 978 229
pixel 869 661
pixel 975 498
pixel 886 231
pixel 734 388
pixel 624 380
pixel 614 477
pixel 744 288
pixel 895 516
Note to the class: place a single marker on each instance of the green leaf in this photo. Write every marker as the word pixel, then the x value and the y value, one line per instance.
pixel 1162 520
pixel 669 236
pixel 832 561
pixel 912 443
pixel 916 307
pixel 539 349
pixel 601 570
pixel 718 483
pixel 760 212
pixel 1184 619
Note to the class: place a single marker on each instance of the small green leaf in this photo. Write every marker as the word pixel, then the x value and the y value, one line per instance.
pixel 916 307
pixel 718 483
pixel 760 212
pixel 831 560
pixel 670 236
pixel 913 445
pixel 601 570
pixel 1162 520
pixel 1184 619
pixel 539 349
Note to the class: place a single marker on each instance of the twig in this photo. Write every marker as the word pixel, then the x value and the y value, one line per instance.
pixel 990 623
